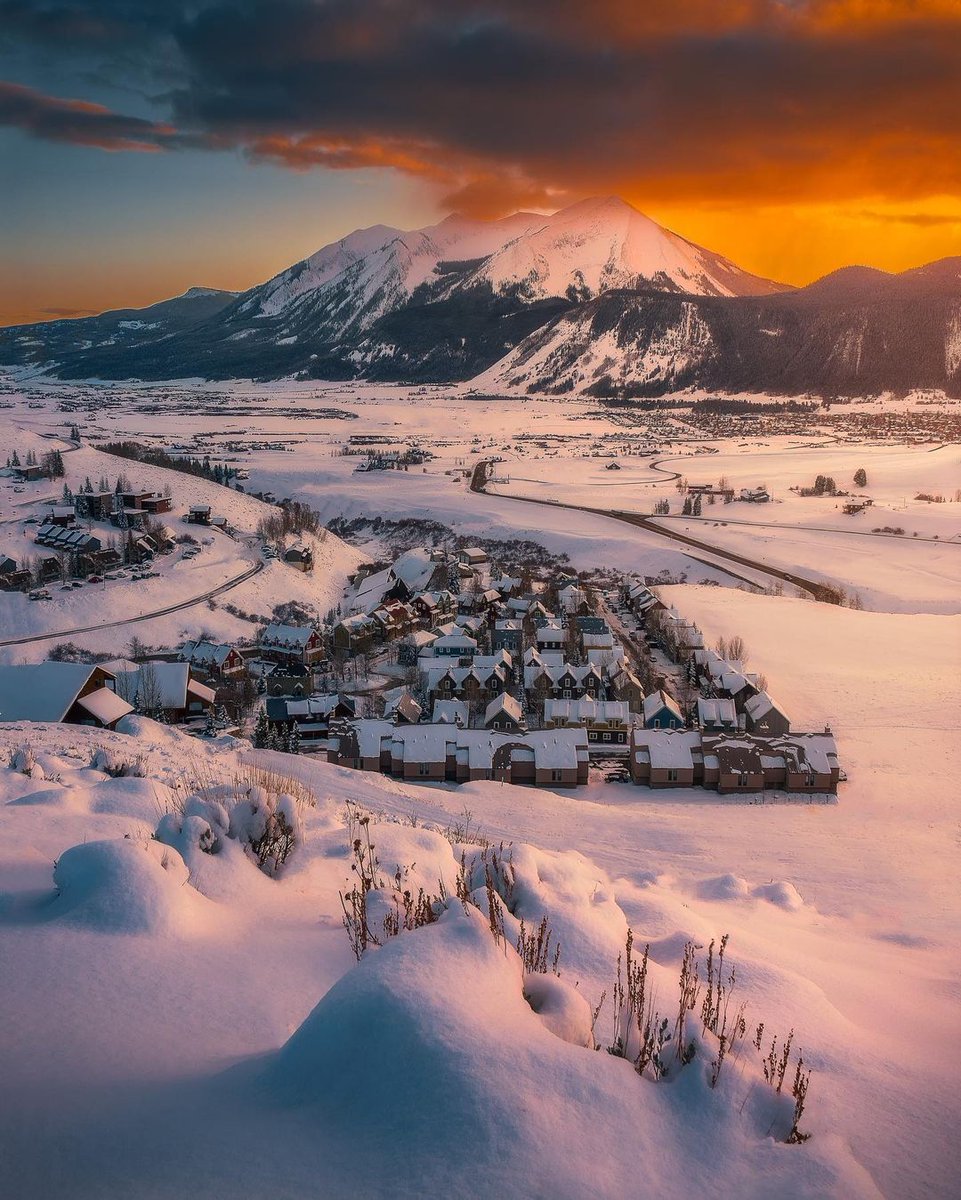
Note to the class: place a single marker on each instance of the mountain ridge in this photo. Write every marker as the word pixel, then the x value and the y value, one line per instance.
pixel 594 296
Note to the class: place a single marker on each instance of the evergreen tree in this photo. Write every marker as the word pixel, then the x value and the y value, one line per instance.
pixel 696 509
pixel 262 730
pixel 272 740
pixel 686 510
pixel 222 719
pixel 15 460
pixel 293 740
pixel 861 477
pixel 210 728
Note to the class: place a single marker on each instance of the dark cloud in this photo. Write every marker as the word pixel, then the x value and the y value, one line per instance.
pixel 505 102
pixel 79 122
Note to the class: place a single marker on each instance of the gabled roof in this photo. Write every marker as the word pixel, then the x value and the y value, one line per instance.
pixel 286 635
pixel 41 691
pixel 657 701
pixel 211 653
pixel 504 703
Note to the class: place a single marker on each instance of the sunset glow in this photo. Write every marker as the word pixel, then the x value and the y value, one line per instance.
pixel 792 137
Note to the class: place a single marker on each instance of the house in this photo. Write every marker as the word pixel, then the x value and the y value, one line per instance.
pixel 7 565
pixel 661 711
pixel 402 708
pixel 421 570
pixel 756 495
pixel 312 716
pixel 732 763
pixel 355 635
pixel 455 645
pixel 607 722
pixel 60 514
pixel 508 634
pixel 504 714
pixel 666 758
pixel 199 514
pixel 414 645
pixel 155 504
pixel 291 643
pixel 73 693
pixel 213 658
pixel 714 715
pixel 163 687
pixel 299 556
pixel 95 506
pixel 572 600
pixel 623 684
pixel 393 619
pixel 551 636
pixel 472 556
pixel 764 716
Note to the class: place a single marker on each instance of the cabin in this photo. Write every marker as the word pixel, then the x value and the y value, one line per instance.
pixel 661 711
pixel 199 514
pixel 551 636
pixel 60 514
pixel 72 693
pixel 450 712
pixel 300 557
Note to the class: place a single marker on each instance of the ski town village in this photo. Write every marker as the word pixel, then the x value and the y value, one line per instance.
pixel 441 667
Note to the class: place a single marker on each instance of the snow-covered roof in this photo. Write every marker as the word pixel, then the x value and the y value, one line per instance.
pixel 210 653
pixel 286 635
pixel 41 691
pixel 760 705
pixel 504 703
pixel 656 701
pixel 587 709
pixel 451 712
pixel 716 712
pixel 105 705
pixel 161 685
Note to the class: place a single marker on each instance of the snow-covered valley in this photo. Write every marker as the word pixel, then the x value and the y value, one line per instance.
pixel 180 1022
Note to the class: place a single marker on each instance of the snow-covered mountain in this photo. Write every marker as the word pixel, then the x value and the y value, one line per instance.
pixel 605 243
pixel 856 331
pixel 596 297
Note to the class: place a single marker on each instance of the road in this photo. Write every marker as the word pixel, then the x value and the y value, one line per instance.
pixel 160 612
pixel 813 587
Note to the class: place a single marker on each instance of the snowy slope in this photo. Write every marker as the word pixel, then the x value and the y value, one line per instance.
pixel 372 271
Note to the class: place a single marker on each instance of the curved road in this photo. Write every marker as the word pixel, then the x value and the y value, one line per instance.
pixel 160 612
pixel 813 587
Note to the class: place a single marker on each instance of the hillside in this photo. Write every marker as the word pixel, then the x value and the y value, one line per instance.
pixel 854 332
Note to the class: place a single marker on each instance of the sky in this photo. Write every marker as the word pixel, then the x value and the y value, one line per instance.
pixel 151 145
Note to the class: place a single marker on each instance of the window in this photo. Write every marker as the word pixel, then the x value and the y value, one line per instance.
pixel 556 776
pixel 607 737
pixel 423 768
pixel 567 693
pixel 657 722
pixel 743 779
pixel 672 774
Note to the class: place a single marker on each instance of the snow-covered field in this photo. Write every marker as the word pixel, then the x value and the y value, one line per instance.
pixel 179 1024
pixel 151 1014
